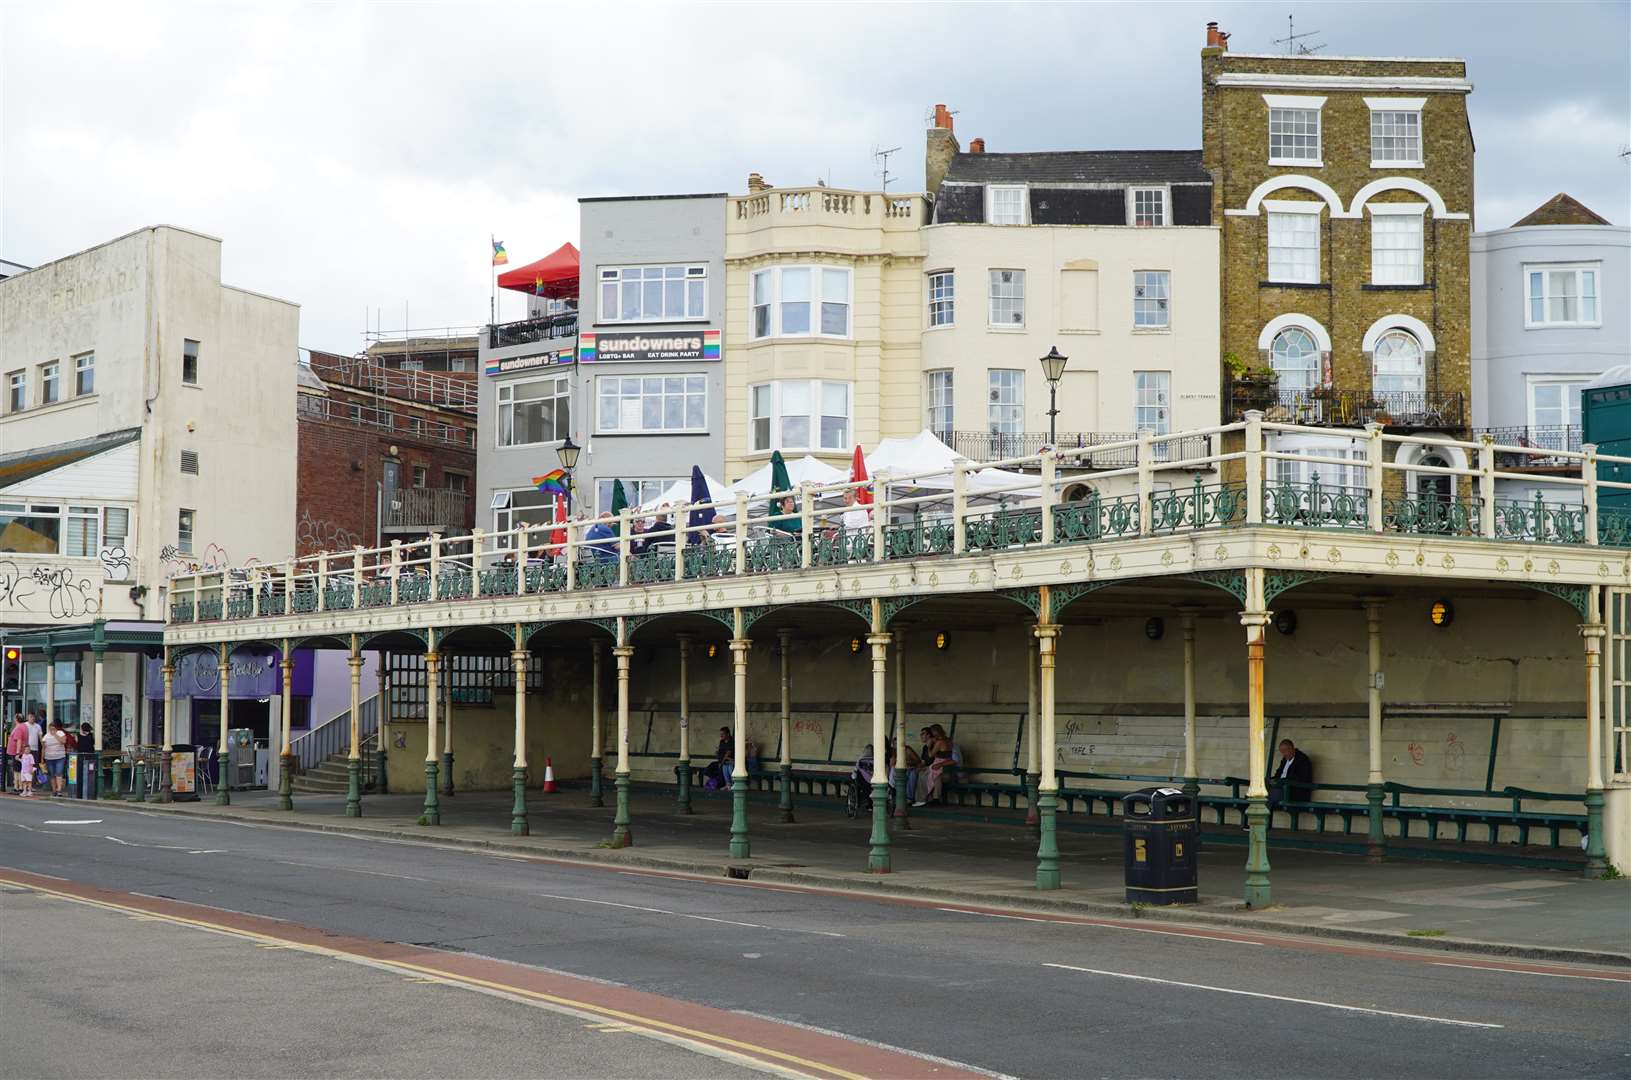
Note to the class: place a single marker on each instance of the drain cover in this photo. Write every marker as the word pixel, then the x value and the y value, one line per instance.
pixel 739 872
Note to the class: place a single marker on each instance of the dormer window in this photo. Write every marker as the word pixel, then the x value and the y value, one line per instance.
pixel 1005 205
pixel 1294 129
pixel 1149 206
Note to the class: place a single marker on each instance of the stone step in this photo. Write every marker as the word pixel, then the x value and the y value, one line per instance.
pixel 320 787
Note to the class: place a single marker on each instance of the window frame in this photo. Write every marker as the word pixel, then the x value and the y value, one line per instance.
pixel 947 299
pixel 1535 380
pixel 16 391
pixel 774 302
pixel 1376 374
pixel 501 402
pixel 190 361
pixel 613 275
pixel 813 416
pixel 604 381
pixel 1296 103
pixel 1403 107
pixel 1163 303
pixel 504 516
pixel 1316 369
pixel 991 298
pixel 1392 212
pixel 1275 208
pixel 935 381
pixel 1580 270
pixel 186 530
pixel 1163 190
pixel 991 191
pixel 992 388
pixel 84 365
pixel 1163 402
pixel 656 485
pixel 50 383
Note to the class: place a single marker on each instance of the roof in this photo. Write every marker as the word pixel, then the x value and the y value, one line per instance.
pixel 1081 167
pixel 15 468
pixel 307 379
pixel 1562 209
pixel 645 198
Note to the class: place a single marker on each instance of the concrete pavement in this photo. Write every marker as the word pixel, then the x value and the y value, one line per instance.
pixel 1495 909
pixel 1040 995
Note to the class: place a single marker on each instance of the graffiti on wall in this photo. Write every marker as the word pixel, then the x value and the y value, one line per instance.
pixel 321 534
pixel 61 593
pixel 175 561
pixel 115 563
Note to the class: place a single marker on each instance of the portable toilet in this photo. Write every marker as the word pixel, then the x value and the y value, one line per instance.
pixel 1605 420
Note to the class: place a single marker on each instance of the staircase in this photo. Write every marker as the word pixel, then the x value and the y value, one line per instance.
pixel 327 777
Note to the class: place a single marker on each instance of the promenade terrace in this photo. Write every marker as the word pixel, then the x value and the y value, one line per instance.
pixel 1216 541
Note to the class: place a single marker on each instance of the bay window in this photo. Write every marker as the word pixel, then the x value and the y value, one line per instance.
pixel 786 299
pixel 1562 295
pixel 532 411
pixel 942 298
pixel 1554 405
pixel 799 414
pixel 1008 298
pixel 941 415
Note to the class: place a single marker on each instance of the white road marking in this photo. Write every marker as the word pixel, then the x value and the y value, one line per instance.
pixel 951 1062
pixel 116 840
pixel 684 915
pixel 209 851
pixel 74 821
pixel 1522 971
pixel 20 825
pixel 1278 997
pixel 354 870
pixel 1099 925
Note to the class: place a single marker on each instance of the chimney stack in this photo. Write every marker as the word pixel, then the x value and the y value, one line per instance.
pixel 942 117
pixel 942 147
pixel 976 146
pixel 1215 38
pixel 756 184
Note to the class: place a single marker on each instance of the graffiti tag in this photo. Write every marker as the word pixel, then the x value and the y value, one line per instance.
pixel 115 563
pixel 321 534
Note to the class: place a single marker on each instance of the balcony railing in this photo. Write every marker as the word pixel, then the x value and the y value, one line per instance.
pixel 401 422
pixel 1560 438
pixel 425 507
pixel 1428 410
pixel 527 331
pixel 1103 450
pixel 815 205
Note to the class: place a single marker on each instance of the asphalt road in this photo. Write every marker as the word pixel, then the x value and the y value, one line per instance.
pixel 1019 996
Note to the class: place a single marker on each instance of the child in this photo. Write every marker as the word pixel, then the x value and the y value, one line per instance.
pixel 26 772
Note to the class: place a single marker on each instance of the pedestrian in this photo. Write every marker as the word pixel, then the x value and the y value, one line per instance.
pixel 16 743
pixel 1292 780
pixel 25 773
pixel 54 752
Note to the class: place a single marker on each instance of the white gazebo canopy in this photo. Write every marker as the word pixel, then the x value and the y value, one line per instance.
pixel 680 491
pixel 931 463
pixel 806 470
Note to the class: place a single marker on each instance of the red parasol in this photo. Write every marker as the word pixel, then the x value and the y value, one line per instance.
pixel 557 536
pixel 554 276
pixel 857 473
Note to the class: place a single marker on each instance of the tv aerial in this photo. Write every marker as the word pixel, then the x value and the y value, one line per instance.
pixel 1295 43
pixel 882 158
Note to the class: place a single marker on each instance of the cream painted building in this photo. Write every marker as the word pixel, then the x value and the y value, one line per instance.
pixel 822 323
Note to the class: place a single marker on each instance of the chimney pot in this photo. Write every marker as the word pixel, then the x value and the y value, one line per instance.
pixel 942 117
pixel 756 184
pixel 976 146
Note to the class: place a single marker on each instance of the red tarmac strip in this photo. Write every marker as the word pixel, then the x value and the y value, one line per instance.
pixel 784 1047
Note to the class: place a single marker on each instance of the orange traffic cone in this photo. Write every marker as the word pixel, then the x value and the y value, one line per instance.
pixel 549 777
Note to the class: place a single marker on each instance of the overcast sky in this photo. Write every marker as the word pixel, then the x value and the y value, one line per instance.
pixel 357 156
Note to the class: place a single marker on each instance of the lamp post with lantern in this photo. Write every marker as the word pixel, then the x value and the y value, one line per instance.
pixel 568 452
pixel 1053 369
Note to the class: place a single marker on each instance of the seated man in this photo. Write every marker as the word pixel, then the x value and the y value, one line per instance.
pixel 1293 778
pixel 603 538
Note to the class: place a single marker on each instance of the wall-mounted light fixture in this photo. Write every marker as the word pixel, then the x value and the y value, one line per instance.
pixel 854 644
pixel 940 640
pixel 713 650
pixel 1442 613
pixel 1155 628
pixel 1285 622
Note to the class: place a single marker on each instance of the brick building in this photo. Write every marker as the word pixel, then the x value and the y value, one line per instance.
pixel 383 454
pixel 1344 187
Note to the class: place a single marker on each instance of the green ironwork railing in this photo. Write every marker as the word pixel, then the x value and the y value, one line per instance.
pixel 651 567
pixel 1096 518
pixel 1196 507
pixel 1430 514
pixel 303 601
pixel 1540 522
pixel 1316 505
pixel 240 606
pixel 1003 529
pixel 915 539
pixel 597 574
pixel 841 547
pixel 707 560
pixel 499 581
pixel 181 611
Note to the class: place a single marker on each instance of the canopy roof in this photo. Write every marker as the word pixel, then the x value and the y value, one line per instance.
pixel 932 462
pixel 680 492
pixel 806 470
pixel 554 276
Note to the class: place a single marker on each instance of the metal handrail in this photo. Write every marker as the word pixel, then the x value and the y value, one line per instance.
pixel 312 748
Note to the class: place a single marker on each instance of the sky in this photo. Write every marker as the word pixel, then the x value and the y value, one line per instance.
pixel 356 158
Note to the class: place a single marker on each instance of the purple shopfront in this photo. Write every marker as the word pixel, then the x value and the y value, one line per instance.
pixel 255 682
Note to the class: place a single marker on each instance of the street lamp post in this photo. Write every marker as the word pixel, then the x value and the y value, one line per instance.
pixel 568 453
pixel 1053 369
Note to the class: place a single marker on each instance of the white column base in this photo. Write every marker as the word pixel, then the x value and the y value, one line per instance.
pixel 1617 826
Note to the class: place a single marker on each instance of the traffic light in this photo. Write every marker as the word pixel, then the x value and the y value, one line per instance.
pixel 12 681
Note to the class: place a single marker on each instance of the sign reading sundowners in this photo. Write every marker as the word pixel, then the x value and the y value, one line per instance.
pixel 650 345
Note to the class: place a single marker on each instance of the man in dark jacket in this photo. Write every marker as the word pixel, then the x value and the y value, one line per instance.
pixel 1293 778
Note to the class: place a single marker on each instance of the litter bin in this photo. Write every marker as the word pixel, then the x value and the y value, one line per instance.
pixel 83 775
pixel 1159 825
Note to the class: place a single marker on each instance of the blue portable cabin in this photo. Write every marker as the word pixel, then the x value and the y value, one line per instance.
pixel 1605 420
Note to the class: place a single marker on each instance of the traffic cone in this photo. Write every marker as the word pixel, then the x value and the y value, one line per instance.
pixel 549 777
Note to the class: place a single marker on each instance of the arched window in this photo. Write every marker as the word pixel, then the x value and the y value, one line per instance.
pixel 1296 359
pixel 1399 365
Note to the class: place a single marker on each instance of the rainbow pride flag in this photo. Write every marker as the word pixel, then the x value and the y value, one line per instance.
pixel 554 480
pixel 500 256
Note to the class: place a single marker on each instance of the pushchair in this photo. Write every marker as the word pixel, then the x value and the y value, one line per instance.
pixel 859 799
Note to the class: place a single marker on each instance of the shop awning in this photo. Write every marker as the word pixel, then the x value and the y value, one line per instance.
pixel 554 276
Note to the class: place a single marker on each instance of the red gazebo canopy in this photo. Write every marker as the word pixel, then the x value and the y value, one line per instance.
pixel 554 276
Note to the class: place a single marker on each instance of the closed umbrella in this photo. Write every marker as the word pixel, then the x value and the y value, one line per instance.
pixel 557 536
pixel 857 473
pixel 779 482
pixel 697 519
pixel 620 501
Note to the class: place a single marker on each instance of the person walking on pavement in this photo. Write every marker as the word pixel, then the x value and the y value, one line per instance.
pixel 16 743
pixel 54 752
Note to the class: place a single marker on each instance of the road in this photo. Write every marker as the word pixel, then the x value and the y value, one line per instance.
pixel 962 989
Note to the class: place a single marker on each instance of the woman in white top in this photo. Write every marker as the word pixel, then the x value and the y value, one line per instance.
pixel 54 752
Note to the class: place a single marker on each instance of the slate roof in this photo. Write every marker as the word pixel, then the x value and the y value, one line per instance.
pixel 1562 209
pixel 1081 167
pixel 20 466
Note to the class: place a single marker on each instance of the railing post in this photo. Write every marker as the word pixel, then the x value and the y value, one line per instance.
pixel 475 562
pixel 1050 466
pixel 571 558
pixel 880 514
pixel 1486 486
pixel 623 546
pixel 435 563
pixel 806 524
pixel 1254 466
pixel 959 508
pixel 288 587
pixel 356 576
pixel 682 518
pixel 255 592
pixel 1373 474
pixel 1146 480
pixel 741 533
pixel 322 581
pixel 1588 471
pixel 396 570
pixel 522 546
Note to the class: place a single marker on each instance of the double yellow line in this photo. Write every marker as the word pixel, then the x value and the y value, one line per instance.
pixel 752 1051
